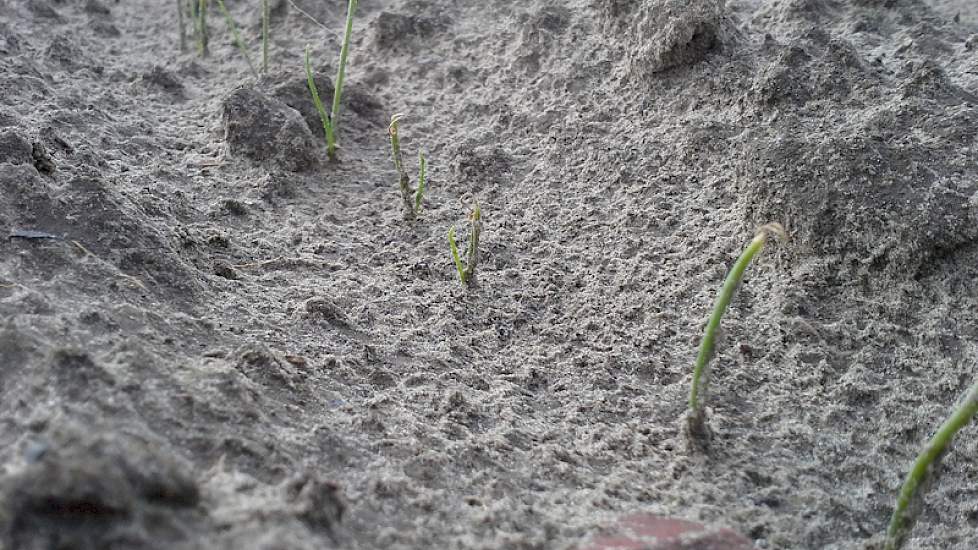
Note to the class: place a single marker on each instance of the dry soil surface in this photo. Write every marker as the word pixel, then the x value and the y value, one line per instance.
pixel 213 337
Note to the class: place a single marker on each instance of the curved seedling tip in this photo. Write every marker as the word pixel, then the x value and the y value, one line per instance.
pixel 395 121
pixel 456 258
pixel 775 229
pixel 696 418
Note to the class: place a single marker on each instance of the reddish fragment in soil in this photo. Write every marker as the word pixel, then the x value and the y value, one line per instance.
pixel 651 532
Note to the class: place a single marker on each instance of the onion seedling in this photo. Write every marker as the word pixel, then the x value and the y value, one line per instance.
pixel 323 115
pixel 422 182
pixel 200 26
pixel 466 273
pixel 701 374
pixel 183 29
pixel 265 16
pixel 351 8
pixel 237 36
pixel 412 208
pixel 331 122
pixel 910 500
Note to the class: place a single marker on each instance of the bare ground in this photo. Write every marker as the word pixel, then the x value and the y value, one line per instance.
pixel 227 341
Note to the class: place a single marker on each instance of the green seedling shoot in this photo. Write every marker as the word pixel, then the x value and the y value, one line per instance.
pixel 911 495
pixel 183 28
pixel 422 182
pixel 351 8
pixel 237 36
pixel 466 273
pixel 323 115
pixel 403 181
pixel 697 408
pixel 200 27
pixel 331 122
pixel 412 208
pixel 265 16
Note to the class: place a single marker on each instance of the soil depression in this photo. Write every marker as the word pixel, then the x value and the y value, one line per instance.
pixel 233 343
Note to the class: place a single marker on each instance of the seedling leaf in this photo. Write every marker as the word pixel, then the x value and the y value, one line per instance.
pixel 310 81
pixel 265 16
pixel 455 256
pixel 183 28
pixel 200 25
pixel 697 411
pixel 419 193
pixel 237 36
pixel 340 74
pixel 403 182
pixel 467 273
pixel 909 500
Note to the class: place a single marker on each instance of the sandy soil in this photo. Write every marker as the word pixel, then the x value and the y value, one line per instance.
pixel 235 343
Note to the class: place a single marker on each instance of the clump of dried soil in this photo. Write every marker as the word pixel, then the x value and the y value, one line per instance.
pixel 224 340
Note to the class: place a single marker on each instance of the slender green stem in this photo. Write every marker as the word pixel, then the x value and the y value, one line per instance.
pixel 736 275
pixel 392 130
pixel 403 182
pixel 904 517
pixel 476 221
pixel 201 24
pixel 191 7
pixel 466 273
pixel 183 30
pixel 412 208
pixel 422 182
pixel 237 36
pixel 311 82
pixel 340 74
pixel 265 15
pixel 455 255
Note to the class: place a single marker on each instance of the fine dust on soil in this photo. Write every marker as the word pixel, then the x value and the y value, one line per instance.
pixel 234 343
